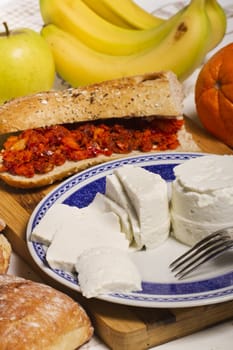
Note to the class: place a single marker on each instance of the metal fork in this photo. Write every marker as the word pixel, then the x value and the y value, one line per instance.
pixel 208 248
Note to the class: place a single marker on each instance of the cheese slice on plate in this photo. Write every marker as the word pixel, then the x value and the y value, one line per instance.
pixel 106 269
pixel 115 191
pixel 104 204
pixel 50 223
pixel 90 231
pixel 148 194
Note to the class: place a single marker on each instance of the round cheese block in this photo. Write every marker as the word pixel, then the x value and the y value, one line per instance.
pixel 202 197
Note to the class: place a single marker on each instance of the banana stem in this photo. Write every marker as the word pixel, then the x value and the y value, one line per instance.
pixel 198 3
pixel 6 29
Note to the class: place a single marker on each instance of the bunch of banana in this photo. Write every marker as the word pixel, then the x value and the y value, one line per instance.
pixel 127 15
pixel 87 48
pixel 218 23
pixel 76 18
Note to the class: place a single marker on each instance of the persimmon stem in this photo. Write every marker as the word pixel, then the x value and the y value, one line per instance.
pixel 6 28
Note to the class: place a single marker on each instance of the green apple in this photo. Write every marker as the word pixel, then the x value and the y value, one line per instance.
pixel 26 63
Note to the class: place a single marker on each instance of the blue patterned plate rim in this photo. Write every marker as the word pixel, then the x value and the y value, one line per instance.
pixel 80 189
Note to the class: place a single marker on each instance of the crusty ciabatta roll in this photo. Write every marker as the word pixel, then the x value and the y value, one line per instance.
pixel 114 119
pixel 2 224
pixel 36 316
pixel 5 250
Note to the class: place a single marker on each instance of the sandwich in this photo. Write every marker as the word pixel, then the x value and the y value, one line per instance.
pixel 52 135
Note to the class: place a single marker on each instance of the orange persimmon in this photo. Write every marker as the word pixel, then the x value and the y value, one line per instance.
pixel 214 95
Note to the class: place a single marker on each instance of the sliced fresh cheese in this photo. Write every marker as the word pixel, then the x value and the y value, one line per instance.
pixel 148 194
pixel 115 191
pixel 90 231
pixel 104 204
pixel 106 269
pixel 50 223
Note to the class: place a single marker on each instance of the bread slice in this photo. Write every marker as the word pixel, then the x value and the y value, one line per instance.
pixel 36 316
pixel 143 95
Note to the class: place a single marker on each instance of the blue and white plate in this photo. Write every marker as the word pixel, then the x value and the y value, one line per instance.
pixel 212 283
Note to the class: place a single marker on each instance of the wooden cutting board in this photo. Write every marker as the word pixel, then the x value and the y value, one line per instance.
pixel 119 326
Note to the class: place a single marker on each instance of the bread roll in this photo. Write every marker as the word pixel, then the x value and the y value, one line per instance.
pixel 2 225
pixel 5 253
pixel 34 316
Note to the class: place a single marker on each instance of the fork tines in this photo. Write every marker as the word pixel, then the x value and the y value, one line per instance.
pixel 204 250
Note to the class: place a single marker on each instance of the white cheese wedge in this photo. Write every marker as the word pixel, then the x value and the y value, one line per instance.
pixel 106 269
pixel 90 231
pixel 50 223
pixel 148 193
pixel 115 191
pixel 202 197
pixel 104 204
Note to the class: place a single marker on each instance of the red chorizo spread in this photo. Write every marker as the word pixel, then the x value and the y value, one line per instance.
pixel 38 151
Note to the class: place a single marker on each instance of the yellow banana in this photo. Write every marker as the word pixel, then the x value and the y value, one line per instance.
pixel 126 13
pixel 218 21
pixel 78 19
pixel 182 50
pixel 106 13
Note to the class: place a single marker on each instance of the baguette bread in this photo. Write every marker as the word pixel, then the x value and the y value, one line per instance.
pixel 34 316
pixel 142 95
pixel 154 95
